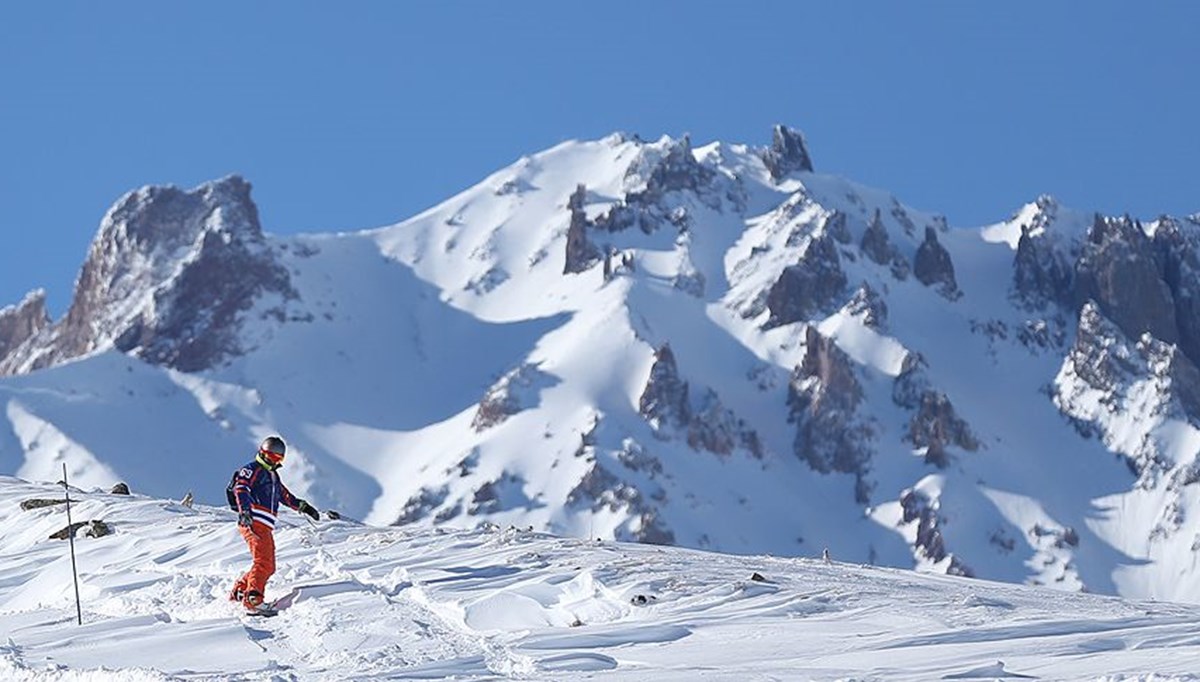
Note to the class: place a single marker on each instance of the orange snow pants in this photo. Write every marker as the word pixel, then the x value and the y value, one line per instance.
pixel 262 556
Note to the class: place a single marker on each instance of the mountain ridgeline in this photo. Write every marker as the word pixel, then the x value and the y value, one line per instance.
pixel 712 346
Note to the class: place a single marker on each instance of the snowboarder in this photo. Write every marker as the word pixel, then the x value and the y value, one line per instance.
pixel 255 493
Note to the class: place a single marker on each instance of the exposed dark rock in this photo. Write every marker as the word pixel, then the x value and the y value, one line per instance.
pixel 674 171
pixel 708 425
pixel 38 503
pixel 717 430
pixel 664 401
pixel 931 265
pixel 837 227
pixel 504 493
pixel 911 383
pixel 119 489
pixel 823 398
pixel 875 242
pixel 582 254
pixel 879 248
pixel 515 391
pixel 22 322
pixel 1179 251
pixel 808 287
pixel 1100 356
pixel 95 529
pixel 600 489
pixel 485 499
pixel 197 258
pixel 869 306
pixel 678 171
pixel 420 505
pixel 650 529
pixel 1105 373
pixel 1117 269
pixel 936 425
pixel 636 458
pixel 1041 275
pixel 788 153
pixel 930 543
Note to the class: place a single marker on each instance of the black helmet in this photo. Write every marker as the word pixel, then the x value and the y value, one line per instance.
pixel 272 450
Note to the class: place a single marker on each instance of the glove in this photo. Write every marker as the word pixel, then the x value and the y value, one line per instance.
pixel 306 508
pixel 245 519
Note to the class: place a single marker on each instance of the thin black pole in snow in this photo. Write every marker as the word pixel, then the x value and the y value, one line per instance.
pixel 71 538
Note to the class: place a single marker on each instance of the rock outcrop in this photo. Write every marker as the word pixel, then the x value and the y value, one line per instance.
pixel 654 178
pixel 879 248
pixel 1042 275
pixel 664 402
pixel 868 306
pixel 22 322
pixel 929 544
pixel 1118 270
pixel 166 279
pixel 810 286
pixel 582 254
pixel 823 400
pixel 515 391
pixel 1106 374
pixel 932 265
pixel 934 425
pixel 788 153
pixel 601 489
pixel 708 425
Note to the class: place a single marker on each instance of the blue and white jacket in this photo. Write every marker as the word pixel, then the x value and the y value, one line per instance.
pixel 257 488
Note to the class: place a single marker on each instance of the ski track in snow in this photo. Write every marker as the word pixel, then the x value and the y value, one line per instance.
pixel 366 603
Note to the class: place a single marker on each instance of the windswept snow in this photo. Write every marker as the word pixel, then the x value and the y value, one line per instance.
pixel 365 603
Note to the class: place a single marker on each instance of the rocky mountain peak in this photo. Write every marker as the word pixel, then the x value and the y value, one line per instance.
pixel 22 322
pixel 165 278
pixel 787 154
pixel 157 218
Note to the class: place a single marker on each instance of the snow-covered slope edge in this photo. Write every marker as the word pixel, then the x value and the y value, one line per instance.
pixel 375 603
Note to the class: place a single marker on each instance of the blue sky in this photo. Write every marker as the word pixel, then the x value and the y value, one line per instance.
pixel 355 115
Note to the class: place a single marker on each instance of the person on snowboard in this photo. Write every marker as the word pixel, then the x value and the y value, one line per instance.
pixel 255 493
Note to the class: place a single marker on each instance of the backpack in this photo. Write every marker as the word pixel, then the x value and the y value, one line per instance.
pixel 229 492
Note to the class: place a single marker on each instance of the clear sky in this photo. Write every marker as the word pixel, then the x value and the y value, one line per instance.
pixel 352 115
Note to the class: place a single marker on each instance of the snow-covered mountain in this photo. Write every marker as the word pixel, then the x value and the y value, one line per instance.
pixel 714 347
pixel 370 603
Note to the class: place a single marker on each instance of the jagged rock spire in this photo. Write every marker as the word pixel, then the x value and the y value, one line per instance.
pixel 665 398
pixel 788 153
pixel 932 265
pixel 581 253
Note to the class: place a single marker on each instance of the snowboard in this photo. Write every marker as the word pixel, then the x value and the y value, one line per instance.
pixel 263 611
pixel 300 592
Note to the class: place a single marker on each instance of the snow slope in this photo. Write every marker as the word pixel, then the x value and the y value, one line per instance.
pixel 445 372
pixel 503 603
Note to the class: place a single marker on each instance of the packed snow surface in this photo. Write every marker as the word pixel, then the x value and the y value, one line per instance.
pixel 364 602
